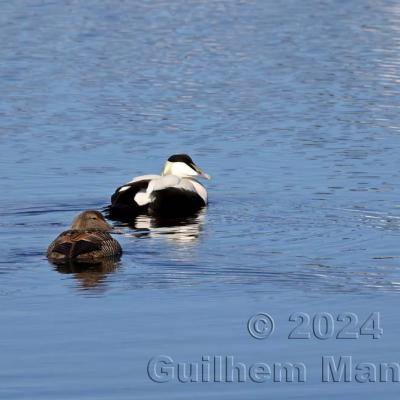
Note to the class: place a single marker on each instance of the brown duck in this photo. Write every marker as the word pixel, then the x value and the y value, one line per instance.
pixel 88 240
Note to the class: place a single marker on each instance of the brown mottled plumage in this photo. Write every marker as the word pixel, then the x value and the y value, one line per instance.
pixel 88 240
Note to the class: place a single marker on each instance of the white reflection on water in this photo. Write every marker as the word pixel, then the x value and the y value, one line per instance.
pixel 180 232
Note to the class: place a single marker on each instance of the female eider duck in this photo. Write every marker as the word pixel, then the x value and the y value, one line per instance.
pixel 175 192
pixel 87 241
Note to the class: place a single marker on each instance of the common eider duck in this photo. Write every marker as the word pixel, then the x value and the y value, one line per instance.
pixel 175 192
pixel 87 241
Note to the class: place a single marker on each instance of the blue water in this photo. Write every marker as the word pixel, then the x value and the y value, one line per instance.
pixel 291 106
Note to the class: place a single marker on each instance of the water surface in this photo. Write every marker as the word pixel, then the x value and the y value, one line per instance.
pixel 291 106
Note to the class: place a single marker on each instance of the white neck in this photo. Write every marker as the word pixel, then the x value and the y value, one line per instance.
pixel 179 169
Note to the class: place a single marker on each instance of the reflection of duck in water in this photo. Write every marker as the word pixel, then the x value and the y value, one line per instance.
pixel 87 241
pixel 175 192
pixel 183 230
pixel 90 275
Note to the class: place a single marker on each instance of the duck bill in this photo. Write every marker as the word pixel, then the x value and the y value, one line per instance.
pixel 111 228
pixel 200 173
pixel 205 176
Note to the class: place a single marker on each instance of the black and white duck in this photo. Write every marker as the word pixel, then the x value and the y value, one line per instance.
pixel 176 192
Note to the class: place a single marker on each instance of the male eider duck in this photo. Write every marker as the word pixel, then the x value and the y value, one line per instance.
pixel 175 192
pixel 88 240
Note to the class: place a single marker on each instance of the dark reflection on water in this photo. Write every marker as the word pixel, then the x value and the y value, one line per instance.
pixel 89 275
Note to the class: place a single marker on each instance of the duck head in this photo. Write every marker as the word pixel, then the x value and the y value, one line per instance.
pixel 182 165
pixel 90 220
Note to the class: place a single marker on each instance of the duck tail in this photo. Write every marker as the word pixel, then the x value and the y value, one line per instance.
pixel 73 250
